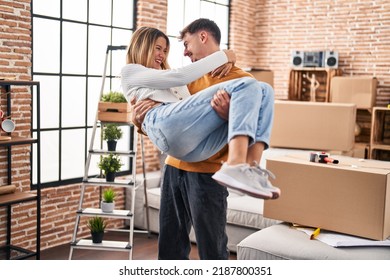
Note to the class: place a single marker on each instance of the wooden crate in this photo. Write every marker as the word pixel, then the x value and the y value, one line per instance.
pixel 379 154
pixel 114 112
pixel 380 126
pixel 380 134
pixel 299 83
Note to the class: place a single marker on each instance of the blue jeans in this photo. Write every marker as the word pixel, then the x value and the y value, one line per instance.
pixel 192 131
pixel 189 198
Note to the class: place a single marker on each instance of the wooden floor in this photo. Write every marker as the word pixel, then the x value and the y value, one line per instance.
pixel 145 248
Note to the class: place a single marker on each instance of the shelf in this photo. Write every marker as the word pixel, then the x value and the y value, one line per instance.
pixel 116 122
pixel 103 182
pixel 105 245
pixel 9 199
pixel 380 147
pixel 18 141
pixel 124 214
pixel 119 153
pixel 18 83
pixel 11 252
pixel 312 69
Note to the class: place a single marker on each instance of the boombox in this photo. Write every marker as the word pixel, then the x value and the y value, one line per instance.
pixel 328 59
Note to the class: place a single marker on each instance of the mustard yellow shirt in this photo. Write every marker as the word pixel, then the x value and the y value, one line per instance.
pixel 213 164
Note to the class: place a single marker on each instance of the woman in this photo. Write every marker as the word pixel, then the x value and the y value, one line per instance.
pixel 186 126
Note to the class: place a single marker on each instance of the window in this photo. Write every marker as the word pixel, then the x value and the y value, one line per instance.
pixel 70 38
pixel 182 12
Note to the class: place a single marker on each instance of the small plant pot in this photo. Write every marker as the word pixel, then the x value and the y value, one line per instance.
pixel 107 206
pixel 110 176
pixel 111 145
pixel 97 237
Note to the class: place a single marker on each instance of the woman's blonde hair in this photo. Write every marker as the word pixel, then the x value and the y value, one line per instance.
pixel 141 47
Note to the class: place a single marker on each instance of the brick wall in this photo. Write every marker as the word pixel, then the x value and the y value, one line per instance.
pixel 152 13
pixel 262 32
pixel 358 30
pixel 15 44
pixel 241 37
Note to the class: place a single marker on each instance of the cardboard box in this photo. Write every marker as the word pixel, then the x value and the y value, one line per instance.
pixel 262 75
pixel 114 112
pixel 351 197
pixel 313 125
pixel 359 150
pixel 357 90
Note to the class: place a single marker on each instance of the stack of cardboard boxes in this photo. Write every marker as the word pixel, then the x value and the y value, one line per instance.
pixel 326 126
pixel 351 197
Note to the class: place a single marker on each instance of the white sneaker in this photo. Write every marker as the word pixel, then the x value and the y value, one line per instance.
pixel 243 178
pixel 263 178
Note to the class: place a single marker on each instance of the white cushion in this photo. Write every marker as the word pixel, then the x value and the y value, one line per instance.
pixel 281 242
pixel 247 211
pixel 154 198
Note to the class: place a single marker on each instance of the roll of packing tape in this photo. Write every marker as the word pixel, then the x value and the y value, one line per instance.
pixel 8 125
pixel 7 189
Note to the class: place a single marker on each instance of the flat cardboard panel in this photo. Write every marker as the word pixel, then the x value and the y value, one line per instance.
pixel 351 197
pixel 263 75
pixel 313 125
pixel 357 90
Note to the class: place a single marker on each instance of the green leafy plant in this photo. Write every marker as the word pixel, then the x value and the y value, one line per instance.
pixel 96 224
pixel 114 96
pixel 112 132
pixel 110 163
pixel 109 195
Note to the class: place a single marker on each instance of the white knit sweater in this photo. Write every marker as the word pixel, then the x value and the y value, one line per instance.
pixel 166 85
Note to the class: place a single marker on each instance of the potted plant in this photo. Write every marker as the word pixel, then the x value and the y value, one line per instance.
pixel 114 96
pixel 108 202
pixel 113 107
pixel 112 133
pixel 97 226
pixel 110 164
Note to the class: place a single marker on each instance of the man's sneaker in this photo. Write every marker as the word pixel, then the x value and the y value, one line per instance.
pixel 263 178
pixel 243 178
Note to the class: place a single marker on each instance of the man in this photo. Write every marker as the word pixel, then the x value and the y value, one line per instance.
pixel 189 195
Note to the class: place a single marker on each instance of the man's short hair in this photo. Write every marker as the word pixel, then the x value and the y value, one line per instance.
pixel 200 25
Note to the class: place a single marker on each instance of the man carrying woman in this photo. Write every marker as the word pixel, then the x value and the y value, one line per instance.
pixel 193 129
